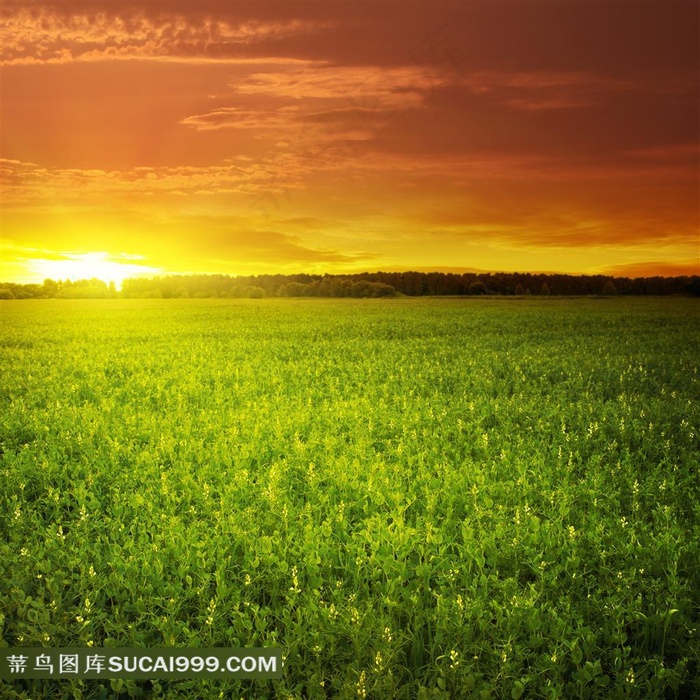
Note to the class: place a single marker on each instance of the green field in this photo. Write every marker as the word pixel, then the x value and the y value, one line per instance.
pixel 414 498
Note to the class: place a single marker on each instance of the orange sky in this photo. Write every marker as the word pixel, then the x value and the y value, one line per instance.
pixel 143 138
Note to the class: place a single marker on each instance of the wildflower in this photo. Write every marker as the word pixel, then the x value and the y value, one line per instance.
pixel 361 687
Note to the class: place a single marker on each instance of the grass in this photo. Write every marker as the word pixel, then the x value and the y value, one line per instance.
pixel 414 498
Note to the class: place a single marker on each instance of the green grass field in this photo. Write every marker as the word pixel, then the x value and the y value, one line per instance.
pixel 414 498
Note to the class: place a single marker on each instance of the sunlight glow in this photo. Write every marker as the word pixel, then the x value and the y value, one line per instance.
pixel 82 266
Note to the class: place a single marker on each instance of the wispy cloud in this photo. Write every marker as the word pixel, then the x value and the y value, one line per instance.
pixel 44 36
pixel 360 86
pixel 671 153
pixel 227 243
pixel 675 268
pixel 27 184
pixel 559 90
pixel 240 118
pixel 316 117
pixel 554 102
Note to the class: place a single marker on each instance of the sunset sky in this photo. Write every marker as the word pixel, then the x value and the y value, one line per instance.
pixel 144 138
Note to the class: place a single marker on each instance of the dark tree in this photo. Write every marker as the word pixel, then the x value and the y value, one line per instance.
pixel 609 289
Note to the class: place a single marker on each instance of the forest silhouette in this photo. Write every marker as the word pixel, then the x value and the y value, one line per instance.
pixel 362 285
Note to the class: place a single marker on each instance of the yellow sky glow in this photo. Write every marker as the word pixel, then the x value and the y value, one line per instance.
pixel 258 138
pixel 85 266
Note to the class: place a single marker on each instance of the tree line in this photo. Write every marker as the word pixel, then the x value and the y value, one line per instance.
pixel 363 285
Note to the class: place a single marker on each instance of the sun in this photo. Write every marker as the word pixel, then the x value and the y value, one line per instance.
pixel 93 265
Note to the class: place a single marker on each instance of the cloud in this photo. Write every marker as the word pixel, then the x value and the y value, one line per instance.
pixel 675 268
pixel 671 153
pixel 357 87
pixel 230 243
pixel 29 185
pixel 555 102
pixel 317 117
pixel 548 213
pixel 40 35
pixel 558 90
pixel 188 240
pixel 307 222
pixel 239 118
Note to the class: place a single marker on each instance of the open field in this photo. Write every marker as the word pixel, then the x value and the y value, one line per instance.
pixel 414 498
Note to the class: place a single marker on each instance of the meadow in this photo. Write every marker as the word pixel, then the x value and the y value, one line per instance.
pixel 414 498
